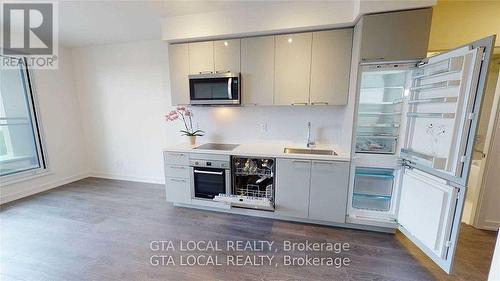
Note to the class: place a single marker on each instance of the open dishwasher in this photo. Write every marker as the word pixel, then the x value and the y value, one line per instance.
pixel 253 182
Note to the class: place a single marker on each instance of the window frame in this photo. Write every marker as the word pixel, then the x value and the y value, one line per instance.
pixel 32 100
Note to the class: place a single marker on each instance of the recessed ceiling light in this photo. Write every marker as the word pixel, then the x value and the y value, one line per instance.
pixel 225 43
pixel 290 40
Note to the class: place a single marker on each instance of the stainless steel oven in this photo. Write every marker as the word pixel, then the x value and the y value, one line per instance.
pixel 210 178
pixel 215 89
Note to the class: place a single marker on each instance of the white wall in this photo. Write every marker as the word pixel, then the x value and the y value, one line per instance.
pixel 277 17
pixel 124 94
pixel 61 121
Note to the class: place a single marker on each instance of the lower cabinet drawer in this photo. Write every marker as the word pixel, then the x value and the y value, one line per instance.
pixel 176 158
pixel 178 190
pixel 177 171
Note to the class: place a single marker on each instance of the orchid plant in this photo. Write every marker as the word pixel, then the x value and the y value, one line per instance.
pixel 186 115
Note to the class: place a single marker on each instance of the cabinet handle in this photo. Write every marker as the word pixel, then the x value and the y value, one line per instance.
pixel 299 103
pixel 222 71
pixel 177 180
pixel 323 163
pixel 301 161
pixel 178 167
pixel 177 154
pixel 320 103
pixel 206 72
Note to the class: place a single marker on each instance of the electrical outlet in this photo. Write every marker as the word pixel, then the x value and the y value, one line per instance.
pixel 263 128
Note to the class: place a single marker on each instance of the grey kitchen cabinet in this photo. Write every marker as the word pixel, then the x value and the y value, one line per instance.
pixel 330 66
pixel 396 35
pixel 292 69
pixel 227 55
pixel 179 71
pixel 292 187
pixel 201 57
pixel 178 190
pixel 177 179
pixel 328 193
pixel 257 70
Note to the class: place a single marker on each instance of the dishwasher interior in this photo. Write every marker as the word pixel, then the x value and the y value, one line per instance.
pixel 253 182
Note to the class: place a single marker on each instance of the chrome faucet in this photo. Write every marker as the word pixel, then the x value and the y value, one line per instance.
pixel 310 142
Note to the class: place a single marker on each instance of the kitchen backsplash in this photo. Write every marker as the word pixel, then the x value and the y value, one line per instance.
pixel 332 125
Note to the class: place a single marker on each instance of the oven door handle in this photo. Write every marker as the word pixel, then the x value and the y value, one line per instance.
pixel 208 172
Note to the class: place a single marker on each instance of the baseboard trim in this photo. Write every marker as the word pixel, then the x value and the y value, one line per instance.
pixel 127 178
pixel 40 188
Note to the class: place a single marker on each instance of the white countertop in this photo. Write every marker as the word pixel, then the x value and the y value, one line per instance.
pixel 275 150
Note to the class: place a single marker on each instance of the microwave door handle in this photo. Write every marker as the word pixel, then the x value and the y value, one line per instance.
pixel 208 172
pixel 229 88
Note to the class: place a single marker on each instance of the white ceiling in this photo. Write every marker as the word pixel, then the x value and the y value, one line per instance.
pixel 84 23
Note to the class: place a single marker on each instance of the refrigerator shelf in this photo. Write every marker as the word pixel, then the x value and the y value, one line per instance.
pixel 436 74
pixel 430 115
pixel 380 113
pixel 380 125
pixel 382 88
pixel 394 102
pixel 434 100
pixel 437 85
pixel 377 136
pixel 448 66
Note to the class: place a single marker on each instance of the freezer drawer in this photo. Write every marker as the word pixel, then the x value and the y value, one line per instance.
pixel 373 181
pixel 376 144
pixel 371 202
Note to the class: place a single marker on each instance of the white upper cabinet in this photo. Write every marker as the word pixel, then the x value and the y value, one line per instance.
pixel 328 194
pixel 201 57
pixel 179 71
pixel 396 36
pixel 257 70
pixel 227 55
pixel 331 61
pixel 292 69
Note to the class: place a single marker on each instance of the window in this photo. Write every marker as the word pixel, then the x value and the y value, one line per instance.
pixel 20 143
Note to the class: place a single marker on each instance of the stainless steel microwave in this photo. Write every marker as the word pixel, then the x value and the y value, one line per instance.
pixel 215 89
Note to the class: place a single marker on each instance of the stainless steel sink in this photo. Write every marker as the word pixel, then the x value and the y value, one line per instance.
pixel 309 151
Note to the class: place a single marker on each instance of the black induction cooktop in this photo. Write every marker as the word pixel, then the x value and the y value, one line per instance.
pixel 217 146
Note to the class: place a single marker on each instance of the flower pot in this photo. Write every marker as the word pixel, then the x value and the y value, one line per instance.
pixel 192 140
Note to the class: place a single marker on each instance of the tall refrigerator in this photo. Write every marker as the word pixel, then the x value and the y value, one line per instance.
pixel 413 136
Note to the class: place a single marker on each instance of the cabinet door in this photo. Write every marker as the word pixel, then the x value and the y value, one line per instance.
pixel 201 57
pixel 227 55
pixel 178 190
pixel 396 36
pixel 292 187
pixel 330 66
pixel 293 69
pixel 257 70
pixel 179 71
pixel 328 193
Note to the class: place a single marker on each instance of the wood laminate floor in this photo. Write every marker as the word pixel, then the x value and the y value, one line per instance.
pixel 97 229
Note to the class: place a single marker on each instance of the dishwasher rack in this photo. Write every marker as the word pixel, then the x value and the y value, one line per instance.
pixel 254 178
